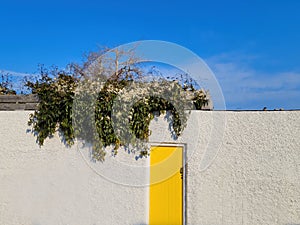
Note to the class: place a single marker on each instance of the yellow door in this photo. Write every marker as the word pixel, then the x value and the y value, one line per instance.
pixel 166 189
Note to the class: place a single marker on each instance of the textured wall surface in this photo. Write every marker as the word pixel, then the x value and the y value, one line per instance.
pixel 242 168
pixel 54 185
pixel 254 177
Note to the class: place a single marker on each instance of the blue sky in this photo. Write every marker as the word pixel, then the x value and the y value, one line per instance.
pixel 252 46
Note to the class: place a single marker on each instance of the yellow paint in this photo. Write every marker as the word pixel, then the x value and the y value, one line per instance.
pixel 166 196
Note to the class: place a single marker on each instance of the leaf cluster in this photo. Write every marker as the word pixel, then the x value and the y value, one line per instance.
pixel 6 85
pixel 73 105
pixel 55 90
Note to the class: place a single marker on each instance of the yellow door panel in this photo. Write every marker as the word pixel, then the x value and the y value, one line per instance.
pixel 166 189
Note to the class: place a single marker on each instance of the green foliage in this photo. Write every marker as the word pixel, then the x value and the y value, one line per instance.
pixel 6 85
pixel 54 110
pixel 71 105
pixel 199 99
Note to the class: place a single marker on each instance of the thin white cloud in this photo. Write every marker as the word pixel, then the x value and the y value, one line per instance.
pixel 16 79
pixel 13 73
pixel 245 87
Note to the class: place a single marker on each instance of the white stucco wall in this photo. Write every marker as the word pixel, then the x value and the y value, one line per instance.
pixel 254 178
pixel 53 185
